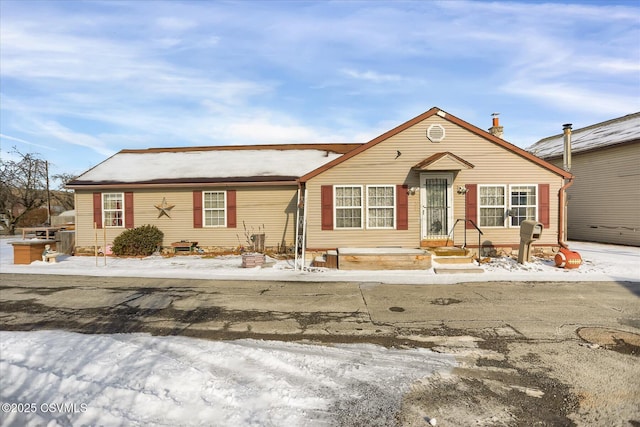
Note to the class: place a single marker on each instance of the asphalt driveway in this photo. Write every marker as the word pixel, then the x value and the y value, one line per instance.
pixel 546 353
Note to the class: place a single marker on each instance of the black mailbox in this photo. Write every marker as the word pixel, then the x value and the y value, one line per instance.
pixel 530 231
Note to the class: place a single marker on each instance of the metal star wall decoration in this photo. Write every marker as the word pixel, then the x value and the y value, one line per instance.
pixel 164 208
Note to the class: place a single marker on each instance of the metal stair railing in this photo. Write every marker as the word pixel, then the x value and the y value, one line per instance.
pixel 472 222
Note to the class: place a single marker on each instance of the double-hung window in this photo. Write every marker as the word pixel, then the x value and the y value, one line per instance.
pixel 214 208
pixel 519 203
pixel 523 203
pixel 381 206
pixel 113 209
pixel 493 205
pixel 348 206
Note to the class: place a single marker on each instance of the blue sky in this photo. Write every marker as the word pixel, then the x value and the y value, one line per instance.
pixel 81 80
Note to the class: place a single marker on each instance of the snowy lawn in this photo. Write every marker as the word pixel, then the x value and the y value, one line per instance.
pixel 600 263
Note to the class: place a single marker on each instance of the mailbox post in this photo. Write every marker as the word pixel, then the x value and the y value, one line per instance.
pixel 530 231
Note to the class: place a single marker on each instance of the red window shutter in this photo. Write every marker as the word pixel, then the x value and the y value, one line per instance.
pixel 231 208
pixel 543 205
pixel 471 201
pixel 402 207
pixel 128 210
pixel 197 209
pixel 326 203
pixel 97 209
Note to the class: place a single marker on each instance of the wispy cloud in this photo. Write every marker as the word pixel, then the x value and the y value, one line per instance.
pixel 11 138
pixel 60 132
pixel 372 76
pixel 111 75
pixel 564 96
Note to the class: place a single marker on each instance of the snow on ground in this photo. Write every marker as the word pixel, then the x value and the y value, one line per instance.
pixel 600 263
pixel 57 378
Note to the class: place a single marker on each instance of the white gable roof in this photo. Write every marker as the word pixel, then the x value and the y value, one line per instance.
pixel 612 132
pixel 209 164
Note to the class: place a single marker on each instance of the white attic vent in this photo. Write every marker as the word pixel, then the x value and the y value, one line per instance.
pixel 435 133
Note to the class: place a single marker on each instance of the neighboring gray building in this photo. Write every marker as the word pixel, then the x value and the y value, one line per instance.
pixel 604 201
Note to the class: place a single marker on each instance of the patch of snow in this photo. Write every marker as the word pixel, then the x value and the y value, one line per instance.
pixel 600 263
pixel 140 380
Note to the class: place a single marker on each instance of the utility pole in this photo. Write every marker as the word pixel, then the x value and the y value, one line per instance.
pixel 46 171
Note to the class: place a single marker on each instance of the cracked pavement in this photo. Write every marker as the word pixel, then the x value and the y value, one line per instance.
pixel 529 353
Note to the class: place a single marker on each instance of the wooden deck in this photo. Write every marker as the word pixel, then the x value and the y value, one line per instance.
pixel 383 259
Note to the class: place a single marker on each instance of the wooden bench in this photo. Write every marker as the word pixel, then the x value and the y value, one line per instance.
pixel 184 246
pixel 44 232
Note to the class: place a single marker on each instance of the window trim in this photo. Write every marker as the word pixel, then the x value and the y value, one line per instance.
pixel 504 205
pixel 393 206
pixel 336 207
pixel 223 209
pixel 121 209
pixel 536 206
pixel 508 204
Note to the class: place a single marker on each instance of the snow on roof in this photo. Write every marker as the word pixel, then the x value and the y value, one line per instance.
pixel 612 132
pixel 224 163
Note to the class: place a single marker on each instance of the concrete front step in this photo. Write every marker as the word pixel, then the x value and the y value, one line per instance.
pixel 466 269
pixel 453 259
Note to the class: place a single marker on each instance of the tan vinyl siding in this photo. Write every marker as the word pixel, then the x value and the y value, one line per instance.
pixel 378 165
pixel 604 201
pixel 272 209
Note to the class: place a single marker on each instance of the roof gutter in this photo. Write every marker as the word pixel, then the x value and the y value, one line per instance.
pixel 98 186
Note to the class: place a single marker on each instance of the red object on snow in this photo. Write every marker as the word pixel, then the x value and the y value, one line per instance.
pixel 566 258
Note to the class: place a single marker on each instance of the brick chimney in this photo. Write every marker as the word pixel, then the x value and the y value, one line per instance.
pixel 496 129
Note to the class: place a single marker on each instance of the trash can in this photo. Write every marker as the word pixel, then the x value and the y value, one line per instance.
pixel 530 231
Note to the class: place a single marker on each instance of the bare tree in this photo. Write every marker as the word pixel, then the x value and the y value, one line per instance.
pixel 62 196
pixel 23 187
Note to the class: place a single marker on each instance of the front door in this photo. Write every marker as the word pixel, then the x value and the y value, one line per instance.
pixel 437 204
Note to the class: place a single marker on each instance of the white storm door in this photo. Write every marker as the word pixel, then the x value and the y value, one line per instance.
pixel 436 197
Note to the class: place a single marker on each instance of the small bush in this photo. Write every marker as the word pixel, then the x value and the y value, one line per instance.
pixel 138 241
